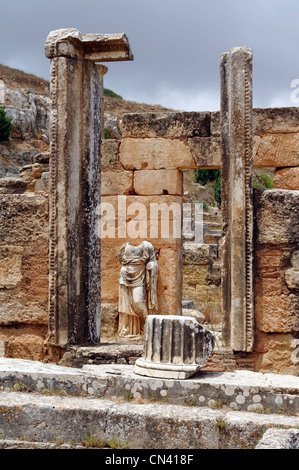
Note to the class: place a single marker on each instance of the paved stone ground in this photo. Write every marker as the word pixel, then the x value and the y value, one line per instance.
pixel 51 404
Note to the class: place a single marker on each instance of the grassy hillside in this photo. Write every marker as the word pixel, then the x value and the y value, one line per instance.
pixel 15 78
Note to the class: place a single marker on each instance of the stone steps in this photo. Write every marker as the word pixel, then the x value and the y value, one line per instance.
pixel 73 420
pixel 114 404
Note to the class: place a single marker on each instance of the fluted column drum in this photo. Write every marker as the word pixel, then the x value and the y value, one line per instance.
pixel 174 347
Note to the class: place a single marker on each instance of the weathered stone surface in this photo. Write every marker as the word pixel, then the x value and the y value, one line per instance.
pixel 152 182
pixel 206 152
pixel 279 439
pixel 27 341
pixel 12 185
pixel 42 157
pixel 109 154
pixel 278 353
pixel 109 320
pixel 167 125
pixel 287 178
pixel 33 171
pixel 115 182
pixel 95 47
pixel 292 274
pixel 191 312
pixel 277 216
pixel 175 347
pixel 76 132
pixel 17 309
pixel 30 113
pixel 74 279
pixel 196 254
pixel 155 154
pixel 244 390
pixel 23 218
pixel 274 314
pixel 24 296
pixel 275 120
pixel 237 206
pixel 42 184
pixel 276 150
pixel 10 266
pixel 121 353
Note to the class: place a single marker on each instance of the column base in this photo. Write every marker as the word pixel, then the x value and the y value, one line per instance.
pixel 165 371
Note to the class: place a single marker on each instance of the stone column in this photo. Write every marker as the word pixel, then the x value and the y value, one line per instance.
pixel 237 151
pixel 75 137
pixel 175 347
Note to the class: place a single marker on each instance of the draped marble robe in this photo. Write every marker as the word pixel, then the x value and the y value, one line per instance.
pixel 137 287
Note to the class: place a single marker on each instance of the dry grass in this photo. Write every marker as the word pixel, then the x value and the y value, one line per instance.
pixel 15 78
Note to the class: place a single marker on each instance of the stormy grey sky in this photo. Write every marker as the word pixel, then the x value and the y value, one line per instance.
pixel 176 45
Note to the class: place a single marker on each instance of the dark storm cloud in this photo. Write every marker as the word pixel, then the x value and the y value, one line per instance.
pixel 176 43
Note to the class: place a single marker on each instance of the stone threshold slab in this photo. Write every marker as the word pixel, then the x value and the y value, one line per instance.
pixel 39 418
pixel 240 390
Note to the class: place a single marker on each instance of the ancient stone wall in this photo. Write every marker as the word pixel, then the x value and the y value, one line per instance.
pixel 23 275
pixel 145 166
pixel 276 268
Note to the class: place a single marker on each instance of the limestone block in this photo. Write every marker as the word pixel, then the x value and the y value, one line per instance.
pixel 109 314
pixel 10 266
pixel 287 178
pixel 24 297
pixel 277 216
pixel 273 314
pixel 292 274
pixel 70 42
pixel 155 154
pixel 195 274
pixel 275 120
pixel 116 182
pixel 42 184
pixel 196 254
pixel 27 342
pixel 23 217
pixel 206 151
pixel 191 312
pixel 109 153
pixel 151 182
pixel 278 353
pixel 168 125
pixel 19 309
pixel 276 150
pixel 175 347
pixel 215 124
pixel 10 185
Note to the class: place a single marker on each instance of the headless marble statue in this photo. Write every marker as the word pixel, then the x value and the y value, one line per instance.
pixel 137 287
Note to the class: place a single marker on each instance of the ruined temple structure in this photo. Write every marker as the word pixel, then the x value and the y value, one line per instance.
pixel 59 271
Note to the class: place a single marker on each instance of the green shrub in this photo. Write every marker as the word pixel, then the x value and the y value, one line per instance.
pixel 217 189
pixel 106 133
pixel 112 94
pixel 203 176
pixel 5 125
pixel 263 181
